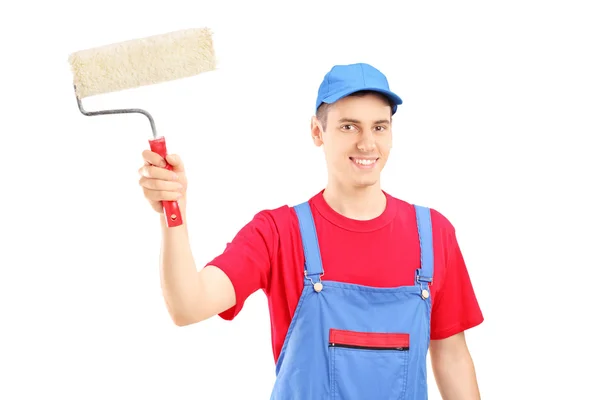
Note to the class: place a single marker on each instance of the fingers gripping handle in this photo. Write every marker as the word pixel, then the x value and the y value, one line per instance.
pixel 170 208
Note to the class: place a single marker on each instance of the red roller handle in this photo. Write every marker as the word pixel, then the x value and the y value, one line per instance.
pixel 170 208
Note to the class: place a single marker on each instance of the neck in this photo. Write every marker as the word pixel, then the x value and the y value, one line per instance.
pixel 362 203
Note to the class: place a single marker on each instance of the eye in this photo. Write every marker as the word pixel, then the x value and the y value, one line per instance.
pixel 347 127
pixel 380 128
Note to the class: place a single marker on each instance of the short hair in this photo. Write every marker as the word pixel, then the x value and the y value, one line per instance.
pixel 323 109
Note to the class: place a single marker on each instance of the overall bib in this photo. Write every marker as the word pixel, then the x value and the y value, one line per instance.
pixel 355 342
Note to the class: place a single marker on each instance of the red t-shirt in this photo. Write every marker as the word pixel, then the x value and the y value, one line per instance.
pixel 267 254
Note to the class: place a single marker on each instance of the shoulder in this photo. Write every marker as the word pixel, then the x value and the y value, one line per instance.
pixel 440 223
pixel 286 214
pixel 279 220
pixel 447 253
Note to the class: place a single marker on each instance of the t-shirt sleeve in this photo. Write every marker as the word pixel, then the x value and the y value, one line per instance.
pixel 247 259
pixel 455 306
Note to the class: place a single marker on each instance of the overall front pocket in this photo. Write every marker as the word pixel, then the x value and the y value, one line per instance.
pixel 368 365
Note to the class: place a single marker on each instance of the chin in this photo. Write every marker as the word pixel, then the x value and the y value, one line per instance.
pixel 365 183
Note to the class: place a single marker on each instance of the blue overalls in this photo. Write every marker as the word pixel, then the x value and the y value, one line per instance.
pixel 348 341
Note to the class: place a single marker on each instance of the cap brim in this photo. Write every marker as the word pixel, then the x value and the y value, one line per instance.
pixel 394 98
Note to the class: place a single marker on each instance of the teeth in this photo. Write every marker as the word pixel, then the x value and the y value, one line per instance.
pixel 363 162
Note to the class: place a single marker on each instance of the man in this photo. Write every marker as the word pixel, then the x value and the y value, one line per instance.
pixel 358 282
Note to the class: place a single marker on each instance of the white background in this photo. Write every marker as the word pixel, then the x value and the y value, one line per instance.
pixel 497 132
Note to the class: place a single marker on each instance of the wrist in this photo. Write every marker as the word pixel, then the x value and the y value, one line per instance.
pixel 182 209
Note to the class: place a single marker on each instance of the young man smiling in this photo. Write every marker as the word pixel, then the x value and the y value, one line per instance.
pixel 360 284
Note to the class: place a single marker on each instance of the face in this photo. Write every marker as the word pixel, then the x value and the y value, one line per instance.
pixel 357 140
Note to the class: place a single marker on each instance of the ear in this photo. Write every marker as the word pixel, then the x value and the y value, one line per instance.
pixel 391 131
pixel 316 131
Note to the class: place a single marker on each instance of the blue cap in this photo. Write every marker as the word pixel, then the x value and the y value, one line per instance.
pixel 343 80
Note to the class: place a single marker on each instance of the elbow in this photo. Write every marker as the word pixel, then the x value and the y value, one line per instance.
pixel 181 321
pixel 185 319
pixel 182 314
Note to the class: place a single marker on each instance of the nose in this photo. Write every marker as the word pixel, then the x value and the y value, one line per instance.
pixel 367 142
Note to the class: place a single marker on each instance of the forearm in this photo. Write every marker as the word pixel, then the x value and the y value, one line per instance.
pixel 178 273
pixel 454 372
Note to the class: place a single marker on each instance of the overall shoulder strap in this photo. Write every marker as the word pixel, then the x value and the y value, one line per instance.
pixel 425 272
pixel 313 265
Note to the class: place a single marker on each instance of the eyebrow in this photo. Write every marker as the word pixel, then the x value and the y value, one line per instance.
pixel 355 121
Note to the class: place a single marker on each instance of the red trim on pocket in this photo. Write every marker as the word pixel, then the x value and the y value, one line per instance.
pixel 368 339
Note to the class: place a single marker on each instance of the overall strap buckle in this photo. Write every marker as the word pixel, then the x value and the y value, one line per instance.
pixel 424 284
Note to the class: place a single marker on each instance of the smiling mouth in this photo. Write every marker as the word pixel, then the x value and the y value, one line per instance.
pixel 364 162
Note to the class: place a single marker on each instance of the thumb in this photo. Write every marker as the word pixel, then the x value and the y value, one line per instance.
pixel 175 162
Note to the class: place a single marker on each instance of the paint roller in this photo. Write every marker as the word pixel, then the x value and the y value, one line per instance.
pixel 141 62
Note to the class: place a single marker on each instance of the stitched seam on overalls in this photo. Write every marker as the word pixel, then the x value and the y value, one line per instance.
pixel 405 377
pixel 332 374
pixel 382 290
pixel 291 328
